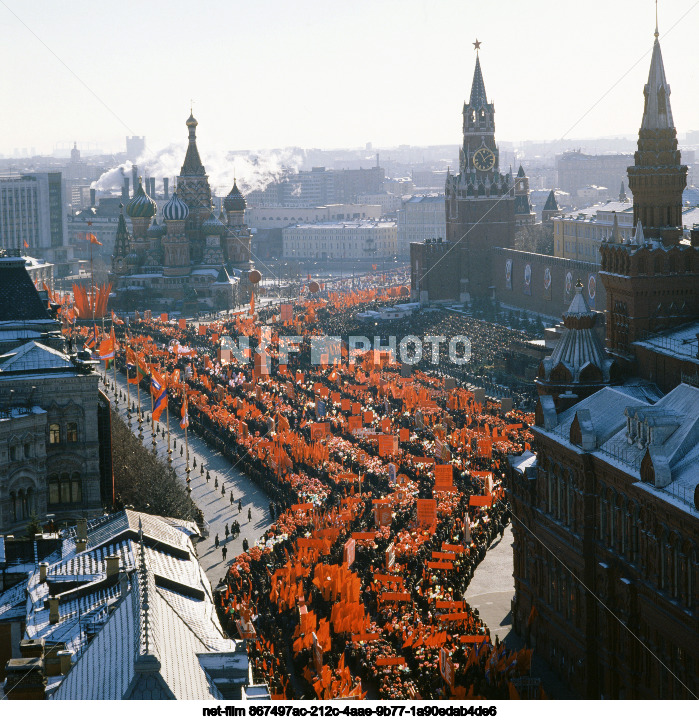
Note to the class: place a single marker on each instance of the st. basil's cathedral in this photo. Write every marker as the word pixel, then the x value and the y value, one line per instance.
pixel 192 256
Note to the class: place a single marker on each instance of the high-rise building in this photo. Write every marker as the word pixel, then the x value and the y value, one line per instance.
pixel 32 211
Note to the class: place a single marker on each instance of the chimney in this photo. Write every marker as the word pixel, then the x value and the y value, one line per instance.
pixel 112 566
pixel 134 177
pixel 166 184
pixel 66 660
pixel 125 192
pixel 82 528
pixel 54 615
pixel 80 545
pixel 31 648
pixel 93 198
pixel 25 680
pixel 152 188
pixel 43 569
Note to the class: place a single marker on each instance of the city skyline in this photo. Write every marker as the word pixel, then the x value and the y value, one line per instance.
pixel 407 66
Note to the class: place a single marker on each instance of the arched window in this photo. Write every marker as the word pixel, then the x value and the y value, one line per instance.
pixel 72 432
pixel 54 433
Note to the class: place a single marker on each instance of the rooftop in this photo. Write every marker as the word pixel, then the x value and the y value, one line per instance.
pixel 148 630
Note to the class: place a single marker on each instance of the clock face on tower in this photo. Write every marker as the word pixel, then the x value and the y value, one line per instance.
pixel 483 159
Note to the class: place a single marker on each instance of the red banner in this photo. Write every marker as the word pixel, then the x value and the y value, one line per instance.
pixel 426 511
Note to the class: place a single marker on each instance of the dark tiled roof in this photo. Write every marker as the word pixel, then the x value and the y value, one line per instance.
pixel 19 299
pixel 551 203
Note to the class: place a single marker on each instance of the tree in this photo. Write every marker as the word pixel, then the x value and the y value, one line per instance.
pixel 143 480
pixel 535 238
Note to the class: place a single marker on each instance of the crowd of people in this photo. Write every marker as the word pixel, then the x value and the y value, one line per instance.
pixel 386 489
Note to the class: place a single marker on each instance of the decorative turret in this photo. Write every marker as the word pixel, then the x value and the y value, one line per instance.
pixel 193 183
pixel 578 365
pixel 141 208
pixel 657 177
pixel 122 243
pixel 524 215
pixel 234 201
pixel 651 281
pixel 550 208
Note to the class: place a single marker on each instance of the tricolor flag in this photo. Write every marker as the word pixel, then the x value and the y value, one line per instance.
pixel 158 387
pixel 136 365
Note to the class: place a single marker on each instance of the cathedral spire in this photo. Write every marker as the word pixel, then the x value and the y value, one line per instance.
pixel 478 98
pixel 192 162
pixel 657 114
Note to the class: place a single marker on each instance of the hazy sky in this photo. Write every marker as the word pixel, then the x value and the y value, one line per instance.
pixel 322 73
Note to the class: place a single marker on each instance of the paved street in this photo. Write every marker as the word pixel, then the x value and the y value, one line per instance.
pixel 216 507
pixel 492 587
pixel 491 591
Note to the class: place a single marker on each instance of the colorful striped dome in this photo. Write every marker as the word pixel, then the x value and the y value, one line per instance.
pixel 141 205
pixel 175 209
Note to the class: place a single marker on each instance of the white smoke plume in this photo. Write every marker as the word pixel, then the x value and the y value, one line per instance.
pixel 113 179
pixel 254 170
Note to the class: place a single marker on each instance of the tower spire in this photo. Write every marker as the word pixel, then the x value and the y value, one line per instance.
pixel 478 97
pixel 192 162
pixel 657 114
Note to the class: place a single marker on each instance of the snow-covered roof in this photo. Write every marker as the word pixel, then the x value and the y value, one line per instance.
pixel 150 620
pixel 33 356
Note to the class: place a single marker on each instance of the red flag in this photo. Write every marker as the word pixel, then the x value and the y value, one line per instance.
pixel 26 245
pixel 91 237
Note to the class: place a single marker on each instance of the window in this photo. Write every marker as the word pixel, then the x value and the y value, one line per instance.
pixel 66 488
pixel 72 433
pixel 54 433
pixel 27 450
pixel 13 453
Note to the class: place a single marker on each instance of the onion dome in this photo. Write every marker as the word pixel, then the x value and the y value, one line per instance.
pixel 234 200
pixel 192 121
pixel 175 209
pixel 213 226
pixel 156 230
pixel 141 205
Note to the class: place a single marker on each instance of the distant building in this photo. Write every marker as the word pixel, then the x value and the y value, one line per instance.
pixel 388 202
pixel 135 147
pixel 351 240
pixel 321 186
pixel 32 211
pixel 266 217
pixel 421 217
pixel 576 170
pixel 578 235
